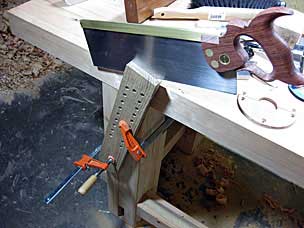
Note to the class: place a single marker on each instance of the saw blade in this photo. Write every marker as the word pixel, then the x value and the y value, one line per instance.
pixel 166 53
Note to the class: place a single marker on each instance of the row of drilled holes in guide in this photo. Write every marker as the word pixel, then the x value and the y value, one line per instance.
pixel 125 95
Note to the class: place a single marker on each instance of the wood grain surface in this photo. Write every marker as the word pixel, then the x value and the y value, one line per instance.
pixel 206 13
pixel 132 102
pixel 160 213
pixel 296 4
pixel 135 93
pixel 139 10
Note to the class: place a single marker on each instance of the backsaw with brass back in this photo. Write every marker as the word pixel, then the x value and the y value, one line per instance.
pixel 181 55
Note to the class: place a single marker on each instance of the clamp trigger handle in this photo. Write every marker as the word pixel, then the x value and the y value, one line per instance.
pixel 131 143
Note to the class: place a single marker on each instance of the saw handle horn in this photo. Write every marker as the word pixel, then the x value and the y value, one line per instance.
pixel 228 54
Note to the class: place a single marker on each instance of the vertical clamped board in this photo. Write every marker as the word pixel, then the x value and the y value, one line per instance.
pixel 134 95
pixel 132 101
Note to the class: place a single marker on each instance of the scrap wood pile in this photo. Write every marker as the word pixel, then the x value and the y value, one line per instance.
pixel 20 62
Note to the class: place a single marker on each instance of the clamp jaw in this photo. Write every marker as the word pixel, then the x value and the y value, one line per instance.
pixel 87 161
pixel 131 143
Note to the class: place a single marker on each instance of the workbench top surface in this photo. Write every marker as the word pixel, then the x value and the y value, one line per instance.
pixel 55 28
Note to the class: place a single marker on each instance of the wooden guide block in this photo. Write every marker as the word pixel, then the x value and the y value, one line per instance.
pixel 135 93
pixel 139 10
pixel 132 101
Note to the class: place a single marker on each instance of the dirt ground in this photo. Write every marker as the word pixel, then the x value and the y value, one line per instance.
pixel 21 64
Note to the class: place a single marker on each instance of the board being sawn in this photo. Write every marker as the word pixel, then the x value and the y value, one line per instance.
pixel 55 27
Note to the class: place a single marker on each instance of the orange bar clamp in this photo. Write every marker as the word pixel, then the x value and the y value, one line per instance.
pixel 131 143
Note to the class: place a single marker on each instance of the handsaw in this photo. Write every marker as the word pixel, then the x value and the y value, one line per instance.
pixel 166 53
pixel 184 56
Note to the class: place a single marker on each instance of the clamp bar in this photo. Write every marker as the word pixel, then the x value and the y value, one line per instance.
pixel 50 197
pixel 150 139
pixel 87 160
pixel 132 145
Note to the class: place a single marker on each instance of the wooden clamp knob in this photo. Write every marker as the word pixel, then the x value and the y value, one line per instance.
pixel 229 55
pixel 87 185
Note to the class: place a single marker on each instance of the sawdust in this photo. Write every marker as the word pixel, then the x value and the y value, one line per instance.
pixel 205 177
pixel 21 63
pixel 206 185
pixel 290 213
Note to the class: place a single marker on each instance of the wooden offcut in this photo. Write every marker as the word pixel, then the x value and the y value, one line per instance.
pixel 139 10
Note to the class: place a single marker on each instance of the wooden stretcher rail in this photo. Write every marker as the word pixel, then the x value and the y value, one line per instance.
pixel 56 29
pixel 160 213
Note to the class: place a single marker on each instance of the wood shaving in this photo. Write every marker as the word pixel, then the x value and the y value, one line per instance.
pixel 291 213
pixel 209 186
pixel 20 62
pixel 274 204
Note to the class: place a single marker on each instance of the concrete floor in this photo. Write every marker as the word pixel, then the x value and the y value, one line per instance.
pixel 40 137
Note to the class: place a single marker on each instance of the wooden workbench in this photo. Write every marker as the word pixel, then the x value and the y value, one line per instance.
pixel 54 27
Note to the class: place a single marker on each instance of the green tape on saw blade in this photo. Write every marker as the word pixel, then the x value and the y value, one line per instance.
pixel 148 30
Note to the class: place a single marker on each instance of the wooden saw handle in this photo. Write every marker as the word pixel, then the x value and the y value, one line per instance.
pixel 229 55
